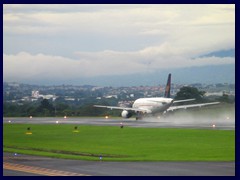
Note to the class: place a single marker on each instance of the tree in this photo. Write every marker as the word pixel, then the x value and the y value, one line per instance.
pixel 190 93
pixel 225 98
pixel 45 108
pixel 59 109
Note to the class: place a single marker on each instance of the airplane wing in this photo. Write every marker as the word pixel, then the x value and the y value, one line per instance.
pixel 184 100
pixel 123 108
pixel 172 108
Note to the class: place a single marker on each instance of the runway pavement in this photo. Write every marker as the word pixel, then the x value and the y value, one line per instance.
pixel 24 165
pixel 226 123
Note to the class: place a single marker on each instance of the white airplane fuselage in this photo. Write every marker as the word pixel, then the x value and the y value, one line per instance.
pixel 153 105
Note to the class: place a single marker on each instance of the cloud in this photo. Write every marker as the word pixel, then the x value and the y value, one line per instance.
pixel 136 26
pixel 66 41
pixel 114 19
pixel 25 66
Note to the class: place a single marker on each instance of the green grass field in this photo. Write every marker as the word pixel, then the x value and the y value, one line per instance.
pixel 116 144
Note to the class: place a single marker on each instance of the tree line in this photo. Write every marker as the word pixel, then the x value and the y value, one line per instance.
pixel 48 109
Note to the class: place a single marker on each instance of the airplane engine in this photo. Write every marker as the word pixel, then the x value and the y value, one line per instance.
pixel 126 114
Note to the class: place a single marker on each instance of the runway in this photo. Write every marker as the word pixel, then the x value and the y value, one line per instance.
pixel 42 166
pixel 223 123
pixel 25 165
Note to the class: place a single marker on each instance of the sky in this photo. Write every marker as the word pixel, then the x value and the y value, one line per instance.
pixel 118 45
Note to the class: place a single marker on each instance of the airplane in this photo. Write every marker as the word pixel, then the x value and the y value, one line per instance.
pixel 155 105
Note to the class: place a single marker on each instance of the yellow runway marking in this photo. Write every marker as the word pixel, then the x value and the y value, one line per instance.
pixel 38 170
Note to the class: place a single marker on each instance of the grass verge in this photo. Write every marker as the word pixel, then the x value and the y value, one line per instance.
pixel 115 144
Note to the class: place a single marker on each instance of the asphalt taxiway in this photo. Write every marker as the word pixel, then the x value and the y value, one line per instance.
pixel 25 165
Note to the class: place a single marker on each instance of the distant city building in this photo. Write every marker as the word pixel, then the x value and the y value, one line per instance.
pixel 69 99
pixel 111 96
pixel 35 94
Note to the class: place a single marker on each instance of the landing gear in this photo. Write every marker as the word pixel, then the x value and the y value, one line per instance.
pixel 139 116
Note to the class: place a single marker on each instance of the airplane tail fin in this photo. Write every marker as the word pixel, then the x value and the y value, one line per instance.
pixel 168 87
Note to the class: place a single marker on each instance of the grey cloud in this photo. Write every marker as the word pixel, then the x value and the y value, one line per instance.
pixel 25 65
pixel 95 40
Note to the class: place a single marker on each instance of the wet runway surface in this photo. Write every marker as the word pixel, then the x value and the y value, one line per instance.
pixel 226 124
pixel 25 165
